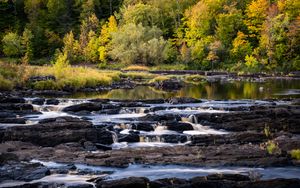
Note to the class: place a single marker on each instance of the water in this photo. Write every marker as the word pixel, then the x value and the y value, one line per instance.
pixel 271 88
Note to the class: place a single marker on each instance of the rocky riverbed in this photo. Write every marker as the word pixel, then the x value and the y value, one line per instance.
pixel 175 142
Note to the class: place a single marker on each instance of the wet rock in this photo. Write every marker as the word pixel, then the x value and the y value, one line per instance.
pixel 174 138
pixel 183 100
pixel 7 157
pixel 89 146
pixel 13 120
pixel 56 131
pixel 38 101
pixel 103 147
pixel 83 107
pixel 52 101
pixel 178 126
pixel 132 137
pixel 160 118
pixel 143 126
pixel 275 183
pixel 12 99
pixel 172 182
pixel 131 182
pixel 231 177
pixel 23 172
pixel 15 106
pixel 42 78
pixel 169 85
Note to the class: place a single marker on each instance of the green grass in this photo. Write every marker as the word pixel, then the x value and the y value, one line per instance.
pixel 73 77
pixel 5 84
pixel 194 78
pixel 159 79
pixel 136 68
pixel 138 75
pixel 295 154
pixel 175 66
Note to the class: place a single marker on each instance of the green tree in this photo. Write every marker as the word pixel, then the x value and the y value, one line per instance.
pixel 240 47
pixel 138 44
pixel 12 45
pixel 27 46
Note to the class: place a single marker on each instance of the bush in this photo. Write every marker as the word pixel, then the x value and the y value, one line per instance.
pixel 12 46
pixel 5 84
pixel 295 153
pixel 46 85
pixel 273 148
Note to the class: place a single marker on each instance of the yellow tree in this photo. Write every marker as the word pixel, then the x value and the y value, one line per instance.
pixel 256 14
pixel 107 29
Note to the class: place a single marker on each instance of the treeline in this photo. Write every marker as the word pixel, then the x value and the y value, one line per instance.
pixel 249 35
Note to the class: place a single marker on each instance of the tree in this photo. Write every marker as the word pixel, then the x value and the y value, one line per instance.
pixel 138 44
pixel 240 47
pixel 147 15
pixel 27 46
pixel 256 13
pixel 105 37
pixel 71 47
pixel 12 46
pixel 228 24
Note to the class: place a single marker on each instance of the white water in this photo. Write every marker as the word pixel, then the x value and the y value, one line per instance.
pixel 180 171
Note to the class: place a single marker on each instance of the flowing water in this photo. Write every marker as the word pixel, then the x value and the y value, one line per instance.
pixel 233 94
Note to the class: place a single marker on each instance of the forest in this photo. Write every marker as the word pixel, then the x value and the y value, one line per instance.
pixel 231 35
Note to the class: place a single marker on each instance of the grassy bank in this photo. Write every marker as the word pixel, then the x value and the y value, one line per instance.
pixel 12 76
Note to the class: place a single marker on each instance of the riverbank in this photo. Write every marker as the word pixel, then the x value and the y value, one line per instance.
pixel 48 140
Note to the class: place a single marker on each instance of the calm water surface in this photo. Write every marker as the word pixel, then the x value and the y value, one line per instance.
pixel 275 88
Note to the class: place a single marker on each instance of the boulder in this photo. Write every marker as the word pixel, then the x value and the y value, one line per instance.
pixel 131 182
pixel 83 107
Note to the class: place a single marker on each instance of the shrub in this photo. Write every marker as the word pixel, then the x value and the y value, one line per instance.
pixel 295 153
pixel 12 45
pixel 45 85
pixel 272 147
pixel 195 78
pixel 5 84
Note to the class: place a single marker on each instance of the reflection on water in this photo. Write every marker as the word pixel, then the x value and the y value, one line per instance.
pixel 279 88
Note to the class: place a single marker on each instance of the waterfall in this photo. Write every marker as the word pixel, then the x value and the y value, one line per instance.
pixel 193 119
pixel 114 136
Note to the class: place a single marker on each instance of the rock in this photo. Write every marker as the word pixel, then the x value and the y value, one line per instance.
pixel 132 137
pixel 172 182
pixel 231 177
pixel 15 106
pixel 169 85
pixel 103 147
pixel 52 101
pixel 55 131
pixel 183 100
pixel 143 126
pixel 160 118
pixel 12 99
pixel 41 78
pixel 131 182
pixel 275 183
pixel 23 172
pixel 6 157
pixel 83 107
pixel 38 101
pixel 178 126
pixel 13 120
pixel 89 146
